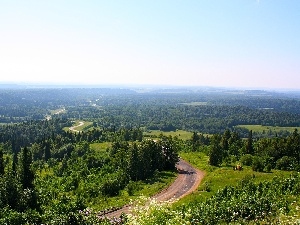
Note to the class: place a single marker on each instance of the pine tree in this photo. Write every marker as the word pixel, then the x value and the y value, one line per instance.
pixel 249 144
pixel 134 163
pixel 27 175
pixel 170 154
pixel 225 143
pixel 195 141
pixel 1 162
pixel 216 153
pixel 47 154
pixel 14 163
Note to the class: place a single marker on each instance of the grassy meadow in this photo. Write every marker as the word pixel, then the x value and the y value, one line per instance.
pixel 217 178
pixel 98 147
pixel 181 134
pixel 57 111
pixel 261 128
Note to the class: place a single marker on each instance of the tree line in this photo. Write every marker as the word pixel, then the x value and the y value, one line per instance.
pixel 208 112
pixel 263 154
pixel 58 173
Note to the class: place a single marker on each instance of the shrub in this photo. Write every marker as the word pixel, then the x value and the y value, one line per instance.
pixel 268 168
pixel 257 164
pixel 285 163
pixel 247 160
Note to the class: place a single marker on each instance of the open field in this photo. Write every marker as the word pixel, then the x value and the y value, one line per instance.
pixel 58 111
pixel 195 103
pixel 79 126
pixel 181 134
pixel 218 177
pixel 100 146
pixel 260 128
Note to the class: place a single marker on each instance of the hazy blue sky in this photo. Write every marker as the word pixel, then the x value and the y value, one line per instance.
pixel 229 43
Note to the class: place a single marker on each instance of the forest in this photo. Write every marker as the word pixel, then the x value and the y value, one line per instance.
pixel 50 174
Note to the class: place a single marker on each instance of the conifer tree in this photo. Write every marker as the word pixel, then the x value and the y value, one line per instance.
pixel 14 163
pixel 216 153
pixel 1 162
pixel 249 144
pixel 26 174
pixel 47 154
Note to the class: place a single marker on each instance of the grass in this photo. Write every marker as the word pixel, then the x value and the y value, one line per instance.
pixel 85 126
pixel 99 147
pixel 195 103
pixel 217 178
pixel 57 111
pixel 261 128
pixel 146 188
pixel 181 134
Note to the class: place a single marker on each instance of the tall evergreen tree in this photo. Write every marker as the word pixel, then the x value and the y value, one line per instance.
pixel 27 175
pixel 225 143
pixel 195 141
pixel 170 152
pixel 47 154
pixel 1 162
pixel 134 163
pixel 216 153
pixel 14 163
pixel 249 144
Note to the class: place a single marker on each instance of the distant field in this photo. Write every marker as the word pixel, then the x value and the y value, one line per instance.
pixel 260 128
pixel 57 111
pixel 100 146
pixel 181 134
pixel 78 127
pixel 195 103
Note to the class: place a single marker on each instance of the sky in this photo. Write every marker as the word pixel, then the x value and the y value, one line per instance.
pixel 219 43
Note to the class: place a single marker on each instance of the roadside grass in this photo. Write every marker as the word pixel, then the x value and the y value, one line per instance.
pixel 181 134
pixel 261 128
pixel 217 178
pixel 134 190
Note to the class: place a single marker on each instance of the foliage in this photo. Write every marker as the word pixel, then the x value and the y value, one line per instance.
pixel 50 175
pixel 246 160
pixel 264 202
pixel 257 164
pixel 285 163
pixel 123 108
pixel 216 153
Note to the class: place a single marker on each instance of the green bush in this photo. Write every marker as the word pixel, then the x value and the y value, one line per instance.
pixel 285 163
pixel 257 164
pixel 247 160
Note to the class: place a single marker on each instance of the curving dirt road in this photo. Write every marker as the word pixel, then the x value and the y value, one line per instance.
pixel 187 181
pixel 74 127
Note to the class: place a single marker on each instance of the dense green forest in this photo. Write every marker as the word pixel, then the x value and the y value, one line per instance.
pixel 193 110
pixel 52 175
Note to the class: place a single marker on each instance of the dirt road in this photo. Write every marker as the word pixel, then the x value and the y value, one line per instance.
pixel 74 127
pixel 187 181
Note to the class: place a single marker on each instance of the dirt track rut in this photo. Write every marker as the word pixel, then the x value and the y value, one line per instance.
pixel 187 181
